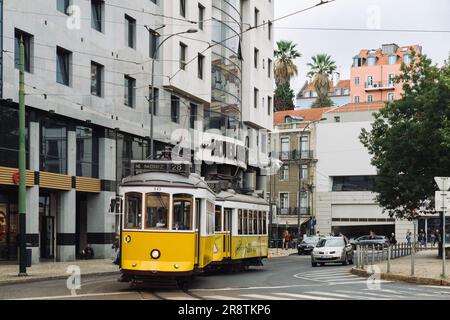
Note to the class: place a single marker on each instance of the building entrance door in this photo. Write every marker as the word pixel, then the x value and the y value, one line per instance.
pixel 46 228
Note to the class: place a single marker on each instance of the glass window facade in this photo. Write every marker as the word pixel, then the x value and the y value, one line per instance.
pixel 353 183
pixel 130 148
pixel 87 152
pixel 27 43
pixel 53 148
pixel 9 133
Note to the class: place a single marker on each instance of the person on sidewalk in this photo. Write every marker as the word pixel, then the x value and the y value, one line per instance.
pixel 433 239
pixel 421 238
pixel 392 239
pixel 408 238
pixel 116 247
pixel 87 253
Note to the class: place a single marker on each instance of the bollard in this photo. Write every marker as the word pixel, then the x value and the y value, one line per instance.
pixel 388 269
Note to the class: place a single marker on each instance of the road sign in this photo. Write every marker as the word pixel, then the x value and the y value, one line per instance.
pixel 442 200
pixel 443 183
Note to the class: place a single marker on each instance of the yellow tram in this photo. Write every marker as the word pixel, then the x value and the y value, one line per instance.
pixel 174 226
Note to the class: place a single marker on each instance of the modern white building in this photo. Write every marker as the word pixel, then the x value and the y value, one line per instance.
pixel 344 198
pixel 88 99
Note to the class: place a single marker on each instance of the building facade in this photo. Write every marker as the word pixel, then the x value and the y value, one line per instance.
pixel 339 94
pixel 293 190
pixel 345 201
pixel 88 107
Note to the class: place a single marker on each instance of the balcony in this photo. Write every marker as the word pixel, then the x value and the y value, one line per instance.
pixel 379 85
pixel 293 211
pixel 296 155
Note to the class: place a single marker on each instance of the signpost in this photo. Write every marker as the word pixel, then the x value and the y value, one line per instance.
pixel 442 201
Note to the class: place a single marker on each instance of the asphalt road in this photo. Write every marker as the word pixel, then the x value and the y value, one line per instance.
pixel 287 278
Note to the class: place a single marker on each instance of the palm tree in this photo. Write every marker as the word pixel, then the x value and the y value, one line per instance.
pixel 284 67
pixel 321 71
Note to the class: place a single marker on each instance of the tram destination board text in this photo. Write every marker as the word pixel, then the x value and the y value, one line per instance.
pixel 159 166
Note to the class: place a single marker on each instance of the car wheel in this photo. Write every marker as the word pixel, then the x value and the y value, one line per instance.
pixel 314 264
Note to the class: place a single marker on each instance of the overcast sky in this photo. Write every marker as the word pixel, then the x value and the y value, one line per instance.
pixel 362 14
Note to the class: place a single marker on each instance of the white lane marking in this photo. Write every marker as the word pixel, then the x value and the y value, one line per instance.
pixel 255 288
pixel 174 296
pixel 378 296
pixel 263 297
pixel 437 287
pixel 327 271
pixel 76 296
pixel 337 277
pixel 221 298
pixel 356 281
pixel 337 295
pixel 306 296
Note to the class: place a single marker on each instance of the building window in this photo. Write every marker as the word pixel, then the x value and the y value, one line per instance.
pixel 303 172
pixel 356 99
pixel 154 104
pixel 255 97
pixel 193 115
pixel 392 59
pixel 304 146
pixel 356 81
pixel 369 81
pixel 153 44
pixel 256 57
pixel 63 66
pixel 175 109
pixel 269 105
pixel 371 61
pixel 285 148
pixel 53 148
pixel 183 8
pixel 87 152
pixel 62 5
pixel 270 24
pixel 303 202
pixel 130 32
pixel 391 79
pixel 406 58
pixel 201 16
pixel 369 98
pixel 353 183
pixel 97 15
pixel 391 96
pixel 200 61
pixel 96 79
pixel 129 85
pixel 9 133
pixel 284 173
pixel 269 68
pixel 183 49
pixel 256 17
pixel 346 92
pixel 27 43
pixel 284 201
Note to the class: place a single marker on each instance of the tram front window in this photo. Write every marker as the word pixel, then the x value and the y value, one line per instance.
pixel 133 210
pixel 157 210
pixel 182 212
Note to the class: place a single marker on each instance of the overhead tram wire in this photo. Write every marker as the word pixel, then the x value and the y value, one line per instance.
pixel 253 28
pixel 363 29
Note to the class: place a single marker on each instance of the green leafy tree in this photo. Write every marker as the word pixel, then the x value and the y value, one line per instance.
pixel 321 72
pixel 283 99
pixel 284 66
pixel 322 103
pixel 410 140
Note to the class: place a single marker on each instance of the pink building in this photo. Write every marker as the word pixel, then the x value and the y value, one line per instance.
pixel 373 72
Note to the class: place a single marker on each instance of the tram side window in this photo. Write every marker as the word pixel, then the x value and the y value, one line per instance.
pixel 255 222
pixel 259 222
pixel 240 221
pixel 133 210
pixel 209 217
pixel 157 210
pixel 226 219
pixel 250 222
pixel 264 230
pixel 218 219
pixel 245 226
pixel 182 212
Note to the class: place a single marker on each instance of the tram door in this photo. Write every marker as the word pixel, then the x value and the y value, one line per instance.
pixel 197 229
pixel 227 229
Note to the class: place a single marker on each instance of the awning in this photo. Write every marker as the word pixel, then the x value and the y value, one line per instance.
pixel 303 220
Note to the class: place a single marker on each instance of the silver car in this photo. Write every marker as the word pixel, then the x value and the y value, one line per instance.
pixel 332 249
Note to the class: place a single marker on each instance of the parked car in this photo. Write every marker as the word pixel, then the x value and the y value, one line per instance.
pixel 379 242
pixel 307 245
pixel 332 249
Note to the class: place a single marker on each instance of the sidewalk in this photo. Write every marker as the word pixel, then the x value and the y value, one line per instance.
pixel 427 269
pixel 275 253
pixel 55 270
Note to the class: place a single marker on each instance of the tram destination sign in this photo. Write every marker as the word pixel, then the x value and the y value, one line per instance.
pixel 176 167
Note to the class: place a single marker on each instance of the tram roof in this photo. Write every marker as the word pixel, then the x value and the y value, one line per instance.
pixel 161 179
pixel 237 197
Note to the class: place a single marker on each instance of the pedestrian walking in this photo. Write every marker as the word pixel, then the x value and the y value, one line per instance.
pixel 392 239
pixel 433 239
pixel 408 237
pixel 421 238
pixel 116 247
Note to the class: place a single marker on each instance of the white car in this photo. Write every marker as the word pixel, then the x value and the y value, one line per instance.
pixel 332 249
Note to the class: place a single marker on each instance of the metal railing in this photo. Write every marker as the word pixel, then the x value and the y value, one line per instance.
pixel 296 155
pixel 377 85
pixel 293 211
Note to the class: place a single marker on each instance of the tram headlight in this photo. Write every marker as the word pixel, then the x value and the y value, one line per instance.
pixel 155 254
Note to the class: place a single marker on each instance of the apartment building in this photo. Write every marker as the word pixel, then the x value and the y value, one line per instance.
pixel 88 107
pixel 293 189
pixel 339 94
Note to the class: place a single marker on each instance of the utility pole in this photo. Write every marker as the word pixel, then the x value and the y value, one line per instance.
pixel 22 163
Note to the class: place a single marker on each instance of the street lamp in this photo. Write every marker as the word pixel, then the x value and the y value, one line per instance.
pixel 300 180
pixel 151 101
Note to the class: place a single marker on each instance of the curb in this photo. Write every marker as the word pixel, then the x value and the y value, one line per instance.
pixel 399 277
pixel 40 279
